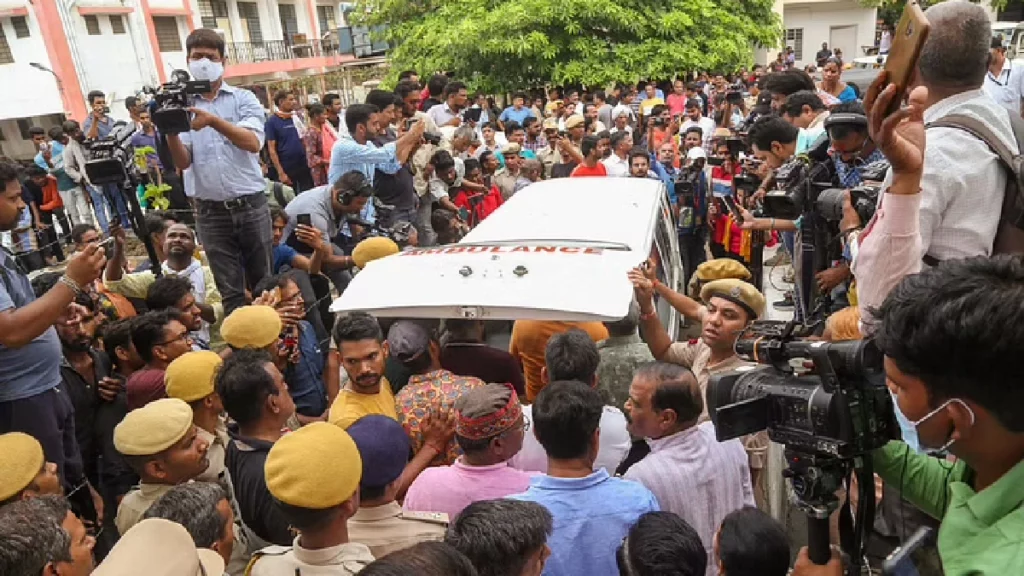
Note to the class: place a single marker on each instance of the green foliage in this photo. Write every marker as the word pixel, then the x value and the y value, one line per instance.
pixel 889 11
pixel 156 195
pixel 498 45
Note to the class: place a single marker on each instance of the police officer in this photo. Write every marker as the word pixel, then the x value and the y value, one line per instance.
pixel 380 522
pixel 160 443
pixel 25 473
pixel 313 474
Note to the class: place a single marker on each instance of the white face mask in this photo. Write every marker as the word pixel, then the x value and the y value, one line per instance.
pixel 205 69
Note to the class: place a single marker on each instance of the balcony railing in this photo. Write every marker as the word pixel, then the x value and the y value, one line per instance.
pixel 253 52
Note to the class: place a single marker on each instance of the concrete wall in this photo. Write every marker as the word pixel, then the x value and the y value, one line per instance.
pixel 111 62
pixel 818 18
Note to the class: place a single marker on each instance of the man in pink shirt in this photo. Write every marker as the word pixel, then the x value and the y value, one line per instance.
pixel 489 428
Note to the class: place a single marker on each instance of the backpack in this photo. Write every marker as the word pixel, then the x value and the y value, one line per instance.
pixel 1010 234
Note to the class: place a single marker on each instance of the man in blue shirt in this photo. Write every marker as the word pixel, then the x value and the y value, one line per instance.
pixel 284 143
pixel 357 152
pixel 220 159
pixel 31 398
pixel 592 511
pixel 96 126
pixel 517 112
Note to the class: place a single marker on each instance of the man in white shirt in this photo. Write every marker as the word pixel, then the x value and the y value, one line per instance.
pixel 617 164
pixel 689 471
pixel 573 355
pixel 1004 82
pixel 693 118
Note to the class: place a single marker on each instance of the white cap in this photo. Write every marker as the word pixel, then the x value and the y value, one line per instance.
pixel 696 153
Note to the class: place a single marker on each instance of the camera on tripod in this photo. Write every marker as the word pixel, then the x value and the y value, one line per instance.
pixel 111 159
pixel 799 182
pixel 172 101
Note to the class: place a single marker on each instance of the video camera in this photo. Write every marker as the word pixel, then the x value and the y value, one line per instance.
pixel 112 158
pixel 864 198
pixel 396 231
pixel 829 419
pixel 172 101
pixel 800 181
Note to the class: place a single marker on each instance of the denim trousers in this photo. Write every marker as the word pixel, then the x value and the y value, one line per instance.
pixel 238 241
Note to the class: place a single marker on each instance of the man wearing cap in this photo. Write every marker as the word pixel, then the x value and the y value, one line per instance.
pixel 730 306
pixel 549 155
pixel 359 349
pixel 159 547
pixel 430 388
pixel 161 444
pixel 25 473
pixel 505 179
pixel 256 397
pixel 313 475
pixel 256 327
pixel 489 427
pixel 190 378
pixel 380 522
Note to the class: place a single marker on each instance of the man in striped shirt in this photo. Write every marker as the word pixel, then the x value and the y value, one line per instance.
pixel 689 471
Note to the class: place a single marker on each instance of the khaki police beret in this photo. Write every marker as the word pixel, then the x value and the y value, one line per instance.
pixel 574 121
pixel 164 548
pixel 251 327
pixel 373 249
pixel 153 428
pixel 550 124
pixel 720 269
pixel 23 459
pixel 512 148
pixel 316 467
pixel 190 376
pixel 737 291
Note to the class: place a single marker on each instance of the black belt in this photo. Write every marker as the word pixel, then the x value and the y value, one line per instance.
pixel 247 201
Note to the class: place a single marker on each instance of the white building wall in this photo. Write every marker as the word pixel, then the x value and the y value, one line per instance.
pixel 31 92
pixel 177 60
pixel 110 62
pixel 818 19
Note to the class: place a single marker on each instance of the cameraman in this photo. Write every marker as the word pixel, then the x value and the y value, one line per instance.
pixel 220 159
pixel 852 147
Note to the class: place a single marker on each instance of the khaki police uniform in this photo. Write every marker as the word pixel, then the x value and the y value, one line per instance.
pixel 388 528
pixel 343 560
pixel 135 503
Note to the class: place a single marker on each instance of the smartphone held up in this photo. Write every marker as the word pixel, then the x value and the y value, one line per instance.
pixel 908 39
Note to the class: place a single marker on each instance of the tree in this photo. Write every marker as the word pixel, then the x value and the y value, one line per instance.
pixel 500 45
pixel 889 11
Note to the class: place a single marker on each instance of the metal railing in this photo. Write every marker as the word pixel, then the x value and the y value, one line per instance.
pixel 253 52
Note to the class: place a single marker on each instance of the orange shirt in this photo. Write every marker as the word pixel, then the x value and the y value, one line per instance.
pixel 530 338
pixel 584 170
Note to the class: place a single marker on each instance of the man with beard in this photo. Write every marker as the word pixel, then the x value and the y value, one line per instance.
pixel 159 337
pixel 179 248
pixel 361 352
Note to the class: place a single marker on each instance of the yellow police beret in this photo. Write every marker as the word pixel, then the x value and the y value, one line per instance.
pixel 373 249
pixel 153 428
pixel 251 327
pixel 736 291
pixel 316 467
pixel 550 124
pixel 23 459
pixel 190 376
pixel 722 268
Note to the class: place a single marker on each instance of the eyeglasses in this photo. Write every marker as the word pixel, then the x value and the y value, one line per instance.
pixel 184 337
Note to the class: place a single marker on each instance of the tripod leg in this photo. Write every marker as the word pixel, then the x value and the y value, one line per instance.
pixel 818 546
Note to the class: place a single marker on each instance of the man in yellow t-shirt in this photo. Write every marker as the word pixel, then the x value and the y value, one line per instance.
pixel 530 340
pixel 361 353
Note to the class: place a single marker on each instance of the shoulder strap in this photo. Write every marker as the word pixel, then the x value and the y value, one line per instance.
pixel 279 194
pixel 979 130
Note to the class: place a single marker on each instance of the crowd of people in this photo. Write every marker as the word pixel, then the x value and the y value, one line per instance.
pixel 206 413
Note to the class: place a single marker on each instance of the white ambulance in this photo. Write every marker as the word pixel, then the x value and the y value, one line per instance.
pixel 557 250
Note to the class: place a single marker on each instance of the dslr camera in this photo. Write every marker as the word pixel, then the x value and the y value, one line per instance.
pixel 172 100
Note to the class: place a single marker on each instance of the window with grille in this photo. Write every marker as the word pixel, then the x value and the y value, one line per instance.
pixel 117 24
pixel 211 10
pixel 289 22
pixel 167 37
pixel 249 12
pixel 795 38
pixel 5 49
pixel 326 16
pixel 92 25
pixel 24 125
pixel 20 25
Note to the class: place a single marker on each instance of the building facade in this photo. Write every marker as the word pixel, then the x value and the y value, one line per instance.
pixel 54 52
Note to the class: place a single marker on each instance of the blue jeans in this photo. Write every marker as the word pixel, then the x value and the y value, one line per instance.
pixel 120 204
pixel 99 206
pixel 238 241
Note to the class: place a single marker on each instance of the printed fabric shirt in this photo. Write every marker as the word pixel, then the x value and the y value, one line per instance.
pixel 694 475
pixel 424 392
pixel 313 140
